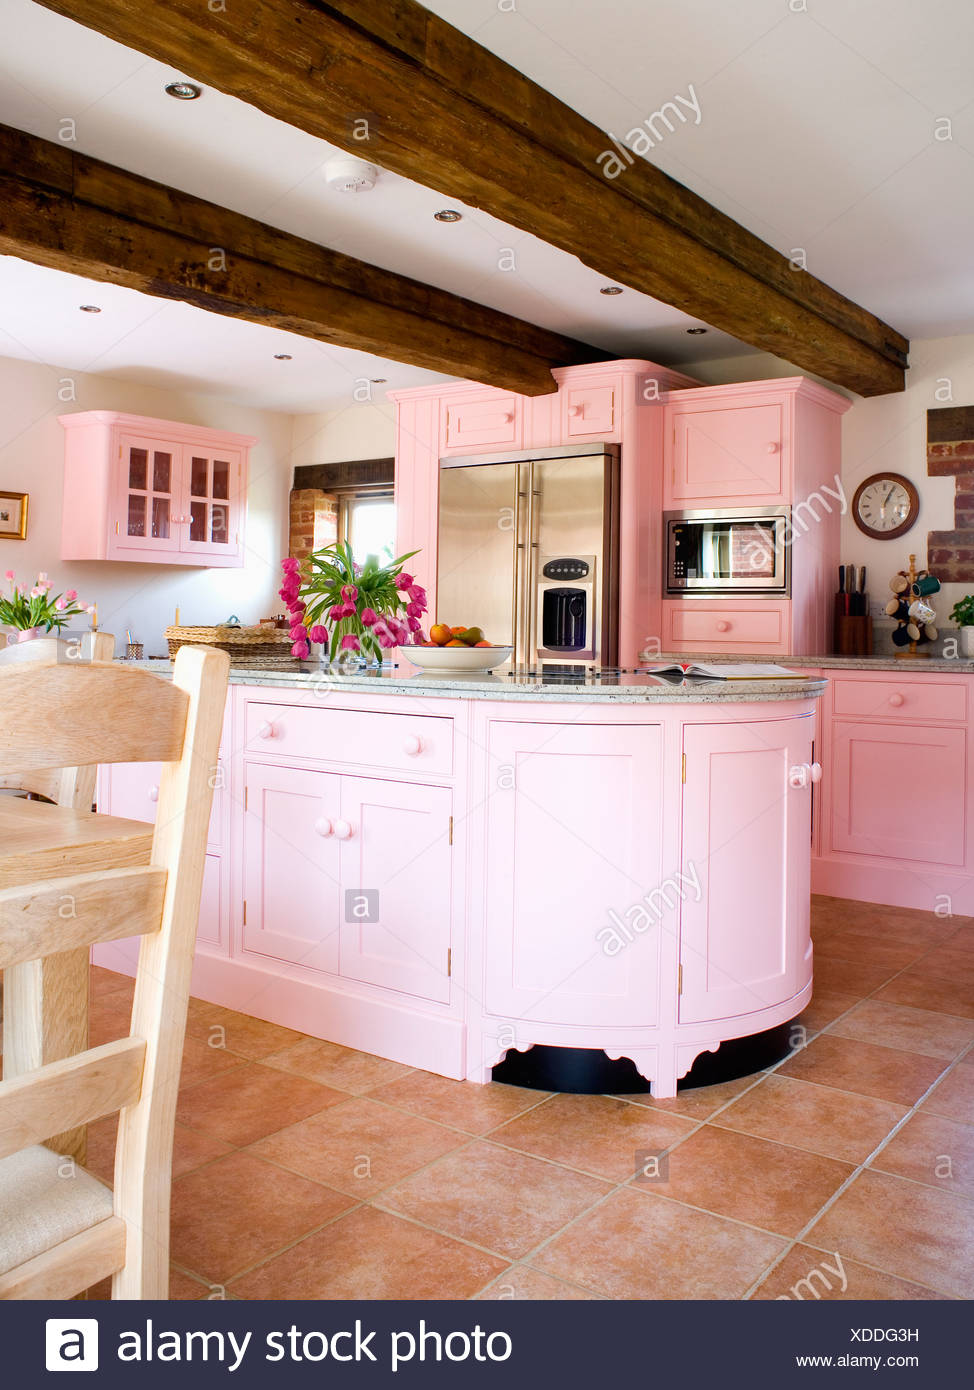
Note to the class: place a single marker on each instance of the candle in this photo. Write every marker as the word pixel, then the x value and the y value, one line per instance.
pixel 176 623
pixel 94 618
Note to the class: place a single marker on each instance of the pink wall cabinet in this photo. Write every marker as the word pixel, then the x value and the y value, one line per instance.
pixel 727 455
pixel 154 491
pixel 740 810
pixel 555 880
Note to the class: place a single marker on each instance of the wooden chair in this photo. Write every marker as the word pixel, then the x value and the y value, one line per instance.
pixel 39 998
pixel 61 1230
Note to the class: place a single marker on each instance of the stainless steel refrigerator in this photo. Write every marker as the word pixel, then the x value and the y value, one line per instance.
pixel 528 551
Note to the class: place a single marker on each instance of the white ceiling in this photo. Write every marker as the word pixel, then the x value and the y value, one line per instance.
pixel 816 131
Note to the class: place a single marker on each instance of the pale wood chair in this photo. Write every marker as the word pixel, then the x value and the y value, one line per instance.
pixel 45 1003
pixel 61 1230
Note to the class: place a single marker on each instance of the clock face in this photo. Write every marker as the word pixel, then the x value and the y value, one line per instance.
pixel 885 506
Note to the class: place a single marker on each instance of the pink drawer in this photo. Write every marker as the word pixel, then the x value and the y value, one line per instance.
pixel 590 411
pixel 892 698
pixel 474 423
pixel 403 742
pixel 690 626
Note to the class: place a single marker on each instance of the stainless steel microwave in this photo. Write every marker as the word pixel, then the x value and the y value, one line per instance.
pixel 734 550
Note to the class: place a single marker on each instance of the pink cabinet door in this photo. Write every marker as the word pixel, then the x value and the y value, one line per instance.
pixel 396 876
pixel 746 833
pixel 210 931
pixel 146 497
pixel 479 421
pixel 291 866
pixel 210 510
pixel 564 890
pixel 133 789
pixel 899 791
pixel 732 455
pixel 591 412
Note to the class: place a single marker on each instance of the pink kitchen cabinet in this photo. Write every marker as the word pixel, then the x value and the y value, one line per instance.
pixel 555 881
pixel 153 491
pixel 740 811
pixel 726 455
pixel 745 626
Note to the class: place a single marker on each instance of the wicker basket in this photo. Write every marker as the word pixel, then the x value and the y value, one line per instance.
pixel 248 647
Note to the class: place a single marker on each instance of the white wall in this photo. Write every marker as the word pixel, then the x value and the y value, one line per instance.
pixel 359 430
pixel 140 597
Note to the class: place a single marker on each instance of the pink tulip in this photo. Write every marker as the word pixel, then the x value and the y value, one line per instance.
pixel 415 610
pixel 369 617
pixel 414 625
pixel 405 581
pixel 36 592
pixel 61 605
pixel 297 631
pixel 417 593
pixel 10 575
pixel 290 565
pixel 385 640
pixel 300 649
pixel 70 595
pixel 298 606
pixel 349 593
pixel 91 608
pixel 350 643
pixel 318 633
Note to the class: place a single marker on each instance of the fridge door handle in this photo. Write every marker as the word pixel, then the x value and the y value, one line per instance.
pixel 520 564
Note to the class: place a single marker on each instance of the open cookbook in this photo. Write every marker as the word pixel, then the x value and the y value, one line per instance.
pixel 724 671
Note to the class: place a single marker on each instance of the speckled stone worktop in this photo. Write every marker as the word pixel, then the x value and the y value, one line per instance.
pixel 619 687
pixel 959 666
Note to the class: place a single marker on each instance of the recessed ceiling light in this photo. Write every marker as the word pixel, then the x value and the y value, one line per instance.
pixel 183 91
pixel 611 289
pixel 89 308
pixel 448 215
pixel 694 332
pixel 282 357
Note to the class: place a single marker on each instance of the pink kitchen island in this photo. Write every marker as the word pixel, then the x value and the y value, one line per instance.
pixel 450 871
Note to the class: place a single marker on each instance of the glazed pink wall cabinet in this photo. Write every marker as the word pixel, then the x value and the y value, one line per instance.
pixel 153 491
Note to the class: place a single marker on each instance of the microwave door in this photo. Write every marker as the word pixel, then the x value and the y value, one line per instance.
pixel 476 560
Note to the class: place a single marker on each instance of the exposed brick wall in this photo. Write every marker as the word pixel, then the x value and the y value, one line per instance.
pixel 312 521
pixel 950 554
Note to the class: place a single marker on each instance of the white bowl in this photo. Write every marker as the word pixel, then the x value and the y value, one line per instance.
pixel 456 660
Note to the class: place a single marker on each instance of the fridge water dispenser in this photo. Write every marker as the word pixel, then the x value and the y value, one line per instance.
pixel 565 608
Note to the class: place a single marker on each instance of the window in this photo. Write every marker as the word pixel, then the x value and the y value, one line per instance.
pixel 369 525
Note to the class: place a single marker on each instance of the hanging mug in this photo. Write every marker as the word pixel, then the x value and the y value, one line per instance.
pixel 901 637
pixel 900 583
pixel 898 608
pixel 921 612
pixel 925 585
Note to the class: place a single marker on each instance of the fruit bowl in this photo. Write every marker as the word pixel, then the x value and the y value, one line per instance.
pixel 456 660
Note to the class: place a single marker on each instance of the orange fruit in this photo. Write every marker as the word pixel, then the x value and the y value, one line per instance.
pixel 483 644
pixel 456 643
pixel 457 630
pixel 440 634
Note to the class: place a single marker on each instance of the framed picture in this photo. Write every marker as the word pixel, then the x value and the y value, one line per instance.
pixel 13 516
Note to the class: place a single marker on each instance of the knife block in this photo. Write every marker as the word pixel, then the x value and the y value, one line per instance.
pixel 853 635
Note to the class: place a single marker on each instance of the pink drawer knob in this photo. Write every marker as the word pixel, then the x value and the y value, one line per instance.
pixel 896 699
pixel 815 772
pixel 412 745
pixel 804 774
pixel 723 625
pixel 323 827
pixel 343 831
pixel 576 411
pixel 266 731
pixel 772 448
pixel 153 793
pixel 508 417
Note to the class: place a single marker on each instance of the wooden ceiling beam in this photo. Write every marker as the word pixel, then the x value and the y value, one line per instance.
pixel 64 210
pixel 442 110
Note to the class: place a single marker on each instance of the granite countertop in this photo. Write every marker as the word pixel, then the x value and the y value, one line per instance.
pixel 959 666
pixel 620 687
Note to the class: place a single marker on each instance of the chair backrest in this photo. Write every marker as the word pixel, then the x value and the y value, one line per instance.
pixel 63 715
pixel 68 786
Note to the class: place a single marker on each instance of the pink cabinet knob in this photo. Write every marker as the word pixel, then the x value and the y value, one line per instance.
pixel 323 826
pixel 804 774
pixel 773 447
pixel 266 731
pixel 815 772
pixel 723 625
pixel 343 831
pixel 575 411
pixel 896 699
pixel 412 745
pixel 153 793
pixel 508 416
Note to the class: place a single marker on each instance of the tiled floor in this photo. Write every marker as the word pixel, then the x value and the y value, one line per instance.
pixel 304 1170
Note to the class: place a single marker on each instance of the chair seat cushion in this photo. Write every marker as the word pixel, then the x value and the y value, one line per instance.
pixel 45 1198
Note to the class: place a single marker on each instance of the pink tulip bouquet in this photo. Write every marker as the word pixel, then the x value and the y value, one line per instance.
pixel 34 611
pixel 363 610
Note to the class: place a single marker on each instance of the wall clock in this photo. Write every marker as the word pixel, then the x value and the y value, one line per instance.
pixel 885 505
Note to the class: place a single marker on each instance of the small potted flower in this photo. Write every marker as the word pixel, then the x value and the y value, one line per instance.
pixel 357 612
pixel 962 614
pixel 33 618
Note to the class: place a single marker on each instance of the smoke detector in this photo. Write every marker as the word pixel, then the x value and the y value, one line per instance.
pixel 350 175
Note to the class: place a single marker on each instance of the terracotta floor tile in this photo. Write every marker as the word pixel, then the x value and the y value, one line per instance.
pixel 239 1210
pixel 103 982
pixel 863 1068
pixel 636 1245
pixel 251 1101
pixel 751 1180
pixel 190 1149
pixel 181 1288
pixel 808 1276
pixel 818 1118
pixel 251 1037
pixel 911 1030
pixel 932 1150
pixel 863 949
pixel 946 963
pixel 826 1005
pixel 595 1133
pixel 462 1104
pixel 902 925
pixel 849 976
pixel 941 996
pixel 371 1254
pixel 359 1147
pixel 521 1283
pixel 915 1232
pixel 954 1097
pixel 201 1062
pixel 699 1103
pixel 109 1018
pixel 341 1067
pixel 507 1202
